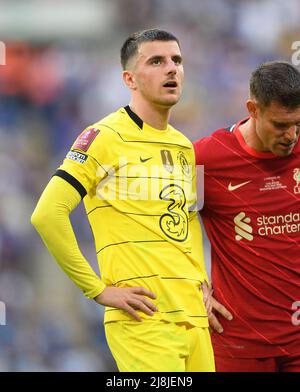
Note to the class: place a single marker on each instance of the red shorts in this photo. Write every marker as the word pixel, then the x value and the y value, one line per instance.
pixel 274 364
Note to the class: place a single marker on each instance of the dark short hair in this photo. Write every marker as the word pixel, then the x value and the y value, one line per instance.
pixel 130 46
pixel 276 81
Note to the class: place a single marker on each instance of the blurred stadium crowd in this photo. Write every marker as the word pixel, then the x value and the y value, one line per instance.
pixel 52 86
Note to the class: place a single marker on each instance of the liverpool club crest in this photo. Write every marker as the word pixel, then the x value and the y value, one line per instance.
pixel 296 177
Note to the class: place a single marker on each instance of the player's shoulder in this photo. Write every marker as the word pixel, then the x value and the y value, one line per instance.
pixel 224 133
pixel 180 137
pixel 100 132
pixel 112 123
pixel 122 124
pixel 221 134
pixel 208 147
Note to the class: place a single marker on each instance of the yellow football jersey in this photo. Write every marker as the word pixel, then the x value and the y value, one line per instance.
pixel 138 188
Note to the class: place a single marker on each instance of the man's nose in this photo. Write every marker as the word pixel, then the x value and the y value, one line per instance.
pixel 171 67
pixel 292 133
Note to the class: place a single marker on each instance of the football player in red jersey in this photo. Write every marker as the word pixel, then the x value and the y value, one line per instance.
pixel 252 217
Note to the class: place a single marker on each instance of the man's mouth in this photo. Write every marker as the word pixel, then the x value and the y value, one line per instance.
pixel 287 146
pixel 171 84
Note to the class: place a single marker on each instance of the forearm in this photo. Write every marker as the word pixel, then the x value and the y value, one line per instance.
pixel 51 220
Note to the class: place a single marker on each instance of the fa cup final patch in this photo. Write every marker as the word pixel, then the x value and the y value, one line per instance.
pixel 84 140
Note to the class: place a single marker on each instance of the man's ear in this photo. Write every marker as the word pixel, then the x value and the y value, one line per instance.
pixel 129 79
pixel 252 107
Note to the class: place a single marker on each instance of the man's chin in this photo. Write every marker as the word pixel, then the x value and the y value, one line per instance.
pixel 169 102
pixel 283 153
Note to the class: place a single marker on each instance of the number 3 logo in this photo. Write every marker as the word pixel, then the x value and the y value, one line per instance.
pixel 175 223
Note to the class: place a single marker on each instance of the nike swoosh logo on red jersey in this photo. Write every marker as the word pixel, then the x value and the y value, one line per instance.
pixel 234 187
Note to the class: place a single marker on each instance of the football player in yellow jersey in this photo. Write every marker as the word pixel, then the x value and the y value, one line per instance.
pixel 136 176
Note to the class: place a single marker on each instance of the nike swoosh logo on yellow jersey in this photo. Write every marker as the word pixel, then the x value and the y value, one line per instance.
pixel 143 160
pixel 234 187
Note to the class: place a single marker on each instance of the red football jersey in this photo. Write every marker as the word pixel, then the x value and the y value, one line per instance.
pixel 252 218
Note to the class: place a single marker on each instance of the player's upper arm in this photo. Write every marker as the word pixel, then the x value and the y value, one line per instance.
pixel 85 164
pixel 58 198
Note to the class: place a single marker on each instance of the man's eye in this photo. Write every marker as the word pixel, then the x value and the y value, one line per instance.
pixel 156 61
pixel 281 126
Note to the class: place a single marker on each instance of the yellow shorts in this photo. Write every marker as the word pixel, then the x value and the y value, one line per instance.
pixel 158 346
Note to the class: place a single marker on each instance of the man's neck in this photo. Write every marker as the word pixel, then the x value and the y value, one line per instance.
pixel 154 116
pixel 248 131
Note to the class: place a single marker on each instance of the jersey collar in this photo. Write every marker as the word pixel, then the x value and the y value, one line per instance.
pixel 134 117
pixel 141 124
pixel 257 154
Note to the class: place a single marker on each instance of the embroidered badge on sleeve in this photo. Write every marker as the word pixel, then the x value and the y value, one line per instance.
pixel 84 140
pixel 77 156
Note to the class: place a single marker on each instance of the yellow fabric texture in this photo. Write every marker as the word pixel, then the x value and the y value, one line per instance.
pixel 136 347
pixel 51 220
pixel 140 185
